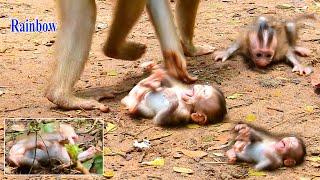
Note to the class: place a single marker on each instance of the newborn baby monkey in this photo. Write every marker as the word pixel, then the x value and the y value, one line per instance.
pixel 267 151
pixel 169 102
pixel 30 151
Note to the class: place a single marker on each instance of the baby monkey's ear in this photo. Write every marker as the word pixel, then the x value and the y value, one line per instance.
pixel 199 118
pixel 289 162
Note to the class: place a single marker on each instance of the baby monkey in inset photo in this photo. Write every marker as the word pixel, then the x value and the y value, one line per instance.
pixel 170 102
pixel 267 151
pixel 269 41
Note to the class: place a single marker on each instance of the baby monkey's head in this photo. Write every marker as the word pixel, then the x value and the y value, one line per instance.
pixel 208 104
pixel 292 150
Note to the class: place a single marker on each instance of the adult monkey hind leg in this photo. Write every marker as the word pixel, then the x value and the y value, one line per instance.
pixel 72 50
pixel 126 15
pixel 162 19
pixel 186 12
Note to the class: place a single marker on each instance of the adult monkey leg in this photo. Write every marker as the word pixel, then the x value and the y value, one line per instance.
pixel 72 50
pixel 125 16
pixel 186 12
pixel 174 58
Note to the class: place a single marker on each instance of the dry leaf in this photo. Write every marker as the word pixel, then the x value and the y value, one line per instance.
pixel 156 162
pixel 110 127
pixel 193 126
pixel 313 158
pixel 193 154
pixel 112 73
pixel 253 172
pixel 108 173
pixel 224 138
pixel 309 109
pixel 235 96
pixel 218 154
pixel 107 151
pixel 251 117
pixel 183 170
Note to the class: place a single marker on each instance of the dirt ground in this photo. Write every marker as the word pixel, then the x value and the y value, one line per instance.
pixel 275 99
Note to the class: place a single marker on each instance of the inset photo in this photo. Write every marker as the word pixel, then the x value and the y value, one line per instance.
pixel 53 146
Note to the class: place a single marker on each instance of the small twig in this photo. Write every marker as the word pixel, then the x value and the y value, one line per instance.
pixel 138 133
pixel 15 109
pixel 275 109
pixel 312 40
pixel 92 127
pixel 160 137
pixel 240 105
pixel 213 162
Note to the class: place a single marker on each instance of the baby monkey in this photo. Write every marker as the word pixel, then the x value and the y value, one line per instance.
pixel 269 41
pixel 169 102
pixel 30 151
pixel 267 151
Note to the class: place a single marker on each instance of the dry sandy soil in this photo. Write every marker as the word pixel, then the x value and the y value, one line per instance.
pixel 280 101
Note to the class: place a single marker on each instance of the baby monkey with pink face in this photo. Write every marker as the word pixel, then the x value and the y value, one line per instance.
pixel 169 102
pixel 267 151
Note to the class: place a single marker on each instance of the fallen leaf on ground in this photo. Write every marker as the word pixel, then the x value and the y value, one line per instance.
pixel 218 154
pixel 156 162
pixel 313 158
pixel 224 138
pixel 253 172
pixel 193 126
pixel 309 109
pixel 251 117
pixel 284 6
pixel 235 96
pixel 193 154
pixel 111 127
pixel 107 151
pixel 112 73
pixel 183 170
pixel 108 173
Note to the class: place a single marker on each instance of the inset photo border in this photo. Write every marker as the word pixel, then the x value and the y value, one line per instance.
pixel 53 146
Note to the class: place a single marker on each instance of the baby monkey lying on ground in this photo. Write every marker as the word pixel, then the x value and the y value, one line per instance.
pixel 267 151
pixel 169 102
pixel 270 41
pixel 36 152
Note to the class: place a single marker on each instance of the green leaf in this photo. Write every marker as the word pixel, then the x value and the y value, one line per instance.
pixel 98 164
pixel 49 127
pixel 73 151
pixel 88 164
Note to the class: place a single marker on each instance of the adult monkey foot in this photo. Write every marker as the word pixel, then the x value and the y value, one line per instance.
pixel 126 51
pixel 71 102
pixel 191 50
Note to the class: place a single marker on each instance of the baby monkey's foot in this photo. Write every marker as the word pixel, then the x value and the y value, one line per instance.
pixel 231 155
pixel 221 56
pixel 127 51
pixel 302 69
